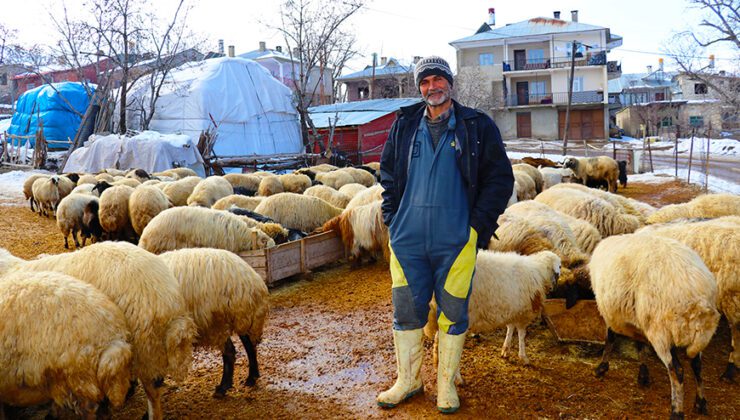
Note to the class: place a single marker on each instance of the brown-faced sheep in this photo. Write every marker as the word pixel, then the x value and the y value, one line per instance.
pixel 63 340
pixel 46 194
pixel 351 190
pixel 717 242
pixel 328 194
pixel 144 204
pixel 295 183
pixel 595 169
pixel 670 302
pixel 509 290
pixel 243 202
pixel 113 212
pixel 197 227
pixel 210 190
pixel 703 206
pixel 270 185
pixel 145 289
pixel 225 297
pixel 362 230
pixel 297 211
pixel 607 218
pixel 70 213
pixel 179 191
pixel 533 173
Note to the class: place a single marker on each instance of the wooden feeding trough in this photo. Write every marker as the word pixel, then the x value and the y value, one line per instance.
pixel 295 257
pixel 581 323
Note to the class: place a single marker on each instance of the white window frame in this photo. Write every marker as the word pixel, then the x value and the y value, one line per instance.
pixel 534 88
pixel 487 62
pixel 531 59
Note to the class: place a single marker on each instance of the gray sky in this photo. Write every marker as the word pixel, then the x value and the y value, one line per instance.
pixel 405 28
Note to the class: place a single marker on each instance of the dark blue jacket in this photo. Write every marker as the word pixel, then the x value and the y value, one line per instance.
pixel 481 158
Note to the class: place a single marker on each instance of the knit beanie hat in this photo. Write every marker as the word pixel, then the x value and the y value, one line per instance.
pixel 432 65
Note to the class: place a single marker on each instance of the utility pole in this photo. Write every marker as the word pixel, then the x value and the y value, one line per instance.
pixel 372 80
pixel 570 97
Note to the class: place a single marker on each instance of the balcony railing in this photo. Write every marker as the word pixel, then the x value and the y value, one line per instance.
pixel 556 98
pixel 590 58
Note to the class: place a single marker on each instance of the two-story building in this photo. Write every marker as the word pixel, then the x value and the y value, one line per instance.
pixel 527 66
pixel 285 68
pixel 389 79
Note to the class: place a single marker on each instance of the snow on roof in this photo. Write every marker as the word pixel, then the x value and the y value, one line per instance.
pixel 391 68
pixel 267 53
pixel 358 112
pixel 529 27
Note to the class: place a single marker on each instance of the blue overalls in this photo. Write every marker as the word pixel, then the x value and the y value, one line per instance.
pixel 432 243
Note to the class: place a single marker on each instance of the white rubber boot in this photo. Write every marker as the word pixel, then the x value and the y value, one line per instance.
pixel 450 350
pixel 409 352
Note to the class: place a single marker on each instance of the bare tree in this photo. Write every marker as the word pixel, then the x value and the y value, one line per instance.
pixel 474 89
pixel 719 27
pixel 316 42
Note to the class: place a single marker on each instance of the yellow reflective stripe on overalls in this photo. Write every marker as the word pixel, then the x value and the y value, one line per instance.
pixel 397 275
pixel 460 277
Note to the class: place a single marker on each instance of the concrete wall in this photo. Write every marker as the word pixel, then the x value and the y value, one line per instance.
pixel 594 78
pixel 544 123
pixel 544 46
pixel 469 56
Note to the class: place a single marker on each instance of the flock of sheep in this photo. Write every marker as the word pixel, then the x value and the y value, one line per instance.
pixel 662 276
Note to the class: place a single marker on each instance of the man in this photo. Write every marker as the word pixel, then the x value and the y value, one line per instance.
pixel 447 179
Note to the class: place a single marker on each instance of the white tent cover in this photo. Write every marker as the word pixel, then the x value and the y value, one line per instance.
pixel 253 110
pixel 148 150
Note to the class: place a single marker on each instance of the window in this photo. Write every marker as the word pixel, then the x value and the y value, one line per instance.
pixel 537 89
pixel 660 96
pixel 667 122
pixel 696 121
pixel 700 88
pixel 485 59
pixel 4 79
pixel 577 84
pixel 536 56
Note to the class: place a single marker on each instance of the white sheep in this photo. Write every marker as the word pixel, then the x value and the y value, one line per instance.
pixel 295 183
pixel 179 191
pixel 524 186
pixel 196 227
pixel 89 179
pixel 240 201
pixel 139 175
pixel 180 172
pixel 717 241
pixel 270 185
pixel 328 194
pixel 296 211
pixel 209 190
pixel 247 181
pixel 670 302
pixel 704 206
pixel 366 196
pixel 46 194
pixel 335 179
pixel 84 189
pixel 63 340
pixel 28 188
pixel 595 169
pixel 362 230
pixel 66 186
pixel 144 204
pixel 623 204
pixel 533 173
pixel 553 176
pixel 508 290
pixel 113 212
pixel 607 218
pixel 225 297
pixel 352 189
pixel 145 289
pixel 360 176
pixel 69 217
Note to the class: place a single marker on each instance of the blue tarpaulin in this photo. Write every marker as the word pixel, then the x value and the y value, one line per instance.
pixel 52 105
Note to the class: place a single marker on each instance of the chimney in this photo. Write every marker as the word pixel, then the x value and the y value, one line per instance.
pixel 650 69
pixel 556 14
pixel 492 16
pixel 231 50
pixel 417 58
pixel 383 61
pixel 220 46
pixel 574 15
pixel 263 46
pixel 278 48
pixel 660 64
pixel 711 61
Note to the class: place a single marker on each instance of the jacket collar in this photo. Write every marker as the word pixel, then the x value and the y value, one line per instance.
pixel 417 111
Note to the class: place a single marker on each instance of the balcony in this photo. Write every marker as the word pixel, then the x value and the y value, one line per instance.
pixel 555 98
pixel 591 58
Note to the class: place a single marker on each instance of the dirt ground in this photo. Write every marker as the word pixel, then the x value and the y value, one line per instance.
pixel 327 352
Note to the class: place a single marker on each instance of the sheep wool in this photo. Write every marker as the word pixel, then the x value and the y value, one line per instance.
pixel 89 179
pixel 180 173
pixel 145 289
pixel 209 191
pixel 295 183
pixel 46 194
pixel 703 206
pixel 179 191
pixel 46 318
pixel 66 186
pixel 113 211
pixel 28 188
pixel 69 217
pixel 270 185
pixel 366 196
pixel 195 227
pixel 362 230
pixel 360 176
pixel 296 211
pixel 670 301
pixel 240 201
pixel 600 168
pixel 247 181
pixel 335 179
pixel 533 173
pixel 84 189
pixel 524 185
pixel 623 204
pixel 146 202
pixel 330 195
pixel 352 189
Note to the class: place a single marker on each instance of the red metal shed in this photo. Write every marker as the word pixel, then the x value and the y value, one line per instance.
pixel 360 128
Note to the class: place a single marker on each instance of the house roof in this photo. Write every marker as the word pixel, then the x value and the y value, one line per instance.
pixel 630 81
pixel 267 53
pixel 356 113
pixel 529 27
pixel 392 67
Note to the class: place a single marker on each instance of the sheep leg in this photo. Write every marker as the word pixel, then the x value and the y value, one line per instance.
pixel 74 236
pixel 104 409
pixel 227 377
pixel 254 371
pixel 31 202
pixel 643 377
pixel 675 374
pixel 132 384
pixel 608 348
pixel 700 404
pixel 729 375
pixel 66 242
pixel 153 390
pixel 507 341
pixel 522 331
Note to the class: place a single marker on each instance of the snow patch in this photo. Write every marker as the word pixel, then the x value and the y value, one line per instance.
pixel 11 184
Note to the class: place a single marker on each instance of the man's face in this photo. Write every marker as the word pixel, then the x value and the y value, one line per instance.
pixel 435 90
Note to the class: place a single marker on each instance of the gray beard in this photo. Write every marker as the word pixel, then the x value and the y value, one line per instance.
pixel 438 101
